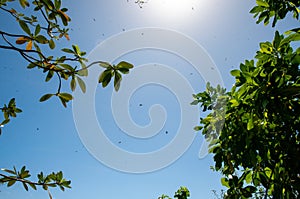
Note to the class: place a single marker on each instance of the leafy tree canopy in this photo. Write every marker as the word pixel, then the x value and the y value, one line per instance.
pixel 253 129
pixel 43 24
pixel 181 193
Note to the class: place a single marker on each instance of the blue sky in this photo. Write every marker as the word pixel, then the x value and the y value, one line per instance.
pixel 44 137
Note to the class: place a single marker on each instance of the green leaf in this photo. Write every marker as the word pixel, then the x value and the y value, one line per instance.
pixel 25 27
pixel 5 121
pixel 124 64
pixel 49 75
pixel 31 65
pixel 67 66
pixel 11 102
pixel 24 3
pixel 63 101
pixel 37 30
pixel 11 183
pixel 117 81
pixel 224 182
pixel 195 102
pixel 266 47
pixel 32 186
pixel 262 3
pixel 6 115
pixel 235 73
pixel 123 70
pixel 66 96
pixel 198 128
pixel 83 72
pixel 25 186
pixel 105 77
pixel 41 39
pixel 73 84
pixel 81 84
pixel 57 4
pixel 105 64
pixel 250 189
pixel 51 44
pixel 49 4
pixel 290 38
pixel 45 97
pixel 67 50
pixel 248 177
pixel 9 171
pixel 250 124
pixel 277 40
pixel 234 102
pixel 76 49
pixel 256 9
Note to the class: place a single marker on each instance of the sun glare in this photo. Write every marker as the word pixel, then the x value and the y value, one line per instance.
pixel 174 9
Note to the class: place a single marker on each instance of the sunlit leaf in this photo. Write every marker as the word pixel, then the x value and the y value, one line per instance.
pixel 57 4
pixel 11 182
pixel 81 84
pixel 29 45
pixel 25 27
pixel 66 96
pixel 41 39
pixel 25 186
pixel 117 81
pixel 37 30
pixel 32 186
pixel 5 121
pixel 24 3
pixel 235 73
pixel 73 84
pixel 67 50
pixel 124 64
pixel 64 17
pixel 83 72
pixel 105 77
pixel 105 64
pixel 262 3
pixel 49 75
pixel 21 40
pixel 45 97
pixel 9 171
pixel 67 66
pixel 51 44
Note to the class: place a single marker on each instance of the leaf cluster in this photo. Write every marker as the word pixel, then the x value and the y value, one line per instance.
pixel 259 141
pixel 9 110
pixel 181 193
pixel 45 181
pixel 39 34
pixel 276 9
pixel 113 71
pixel 45 31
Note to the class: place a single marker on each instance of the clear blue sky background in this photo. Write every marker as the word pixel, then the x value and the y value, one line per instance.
pixel 44 136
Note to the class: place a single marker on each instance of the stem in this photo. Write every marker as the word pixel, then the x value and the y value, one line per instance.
pixel 59 85
pixel 27 181
pixel 91 64
pixel 13 35
pixel 14 15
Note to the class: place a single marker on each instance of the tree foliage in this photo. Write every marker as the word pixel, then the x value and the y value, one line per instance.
pixel 21 176
pixel 276 9
pixel 43 23
pixel 253 129
pixel 40 31
pixel 181 193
